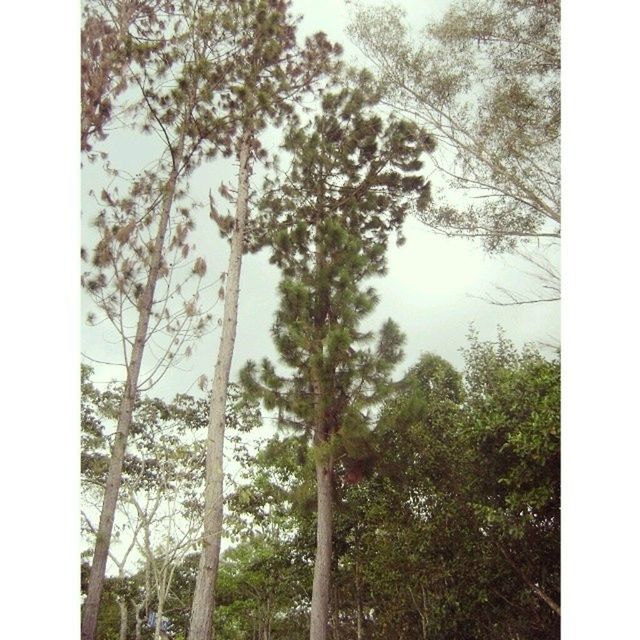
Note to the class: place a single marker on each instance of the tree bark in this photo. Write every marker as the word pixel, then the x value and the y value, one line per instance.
pixel 122 603
pixel 114 474
pixel 139 608
pixel 204 595
pixel 322 567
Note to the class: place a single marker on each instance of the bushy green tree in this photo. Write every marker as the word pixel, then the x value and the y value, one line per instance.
pixel 327 225
pixel 457 528
pixel 512 427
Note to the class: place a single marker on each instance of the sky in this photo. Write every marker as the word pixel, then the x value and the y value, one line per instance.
pixel 436 288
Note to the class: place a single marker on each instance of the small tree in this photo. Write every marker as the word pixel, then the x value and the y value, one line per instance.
pixel 328 226
pixel 162 480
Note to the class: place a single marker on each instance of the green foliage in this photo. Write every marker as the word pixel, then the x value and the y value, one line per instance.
pixel 441 536
pixel 328 224
pixel 160 430
pixel 258 590
pixel 157 427
pixel 458 525
pixel 163 466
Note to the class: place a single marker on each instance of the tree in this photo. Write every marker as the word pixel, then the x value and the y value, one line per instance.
pixel 513 428
pixel 461 510
pixel 159 516
pixel 114 623
pixel 166 506
pixel 486 81
pixel 162 479
pixel 267 71
pixel 328 223
pixel 125 274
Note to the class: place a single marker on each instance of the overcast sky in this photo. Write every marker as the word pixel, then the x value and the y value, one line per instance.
pixel 436 287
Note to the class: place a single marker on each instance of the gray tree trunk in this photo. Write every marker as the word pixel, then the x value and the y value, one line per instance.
pixel 158 630
pixel 139 608
pixel 124 620
pixel 204 595
pixel 322 567
pixel 114 475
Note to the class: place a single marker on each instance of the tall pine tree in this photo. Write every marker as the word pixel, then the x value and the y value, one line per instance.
pixel 267 70
pixel 351 183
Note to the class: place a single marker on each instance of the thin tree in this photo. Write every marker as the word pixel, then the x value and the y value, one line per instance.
pixel 268 72
pixel 121 564
pixel 328 222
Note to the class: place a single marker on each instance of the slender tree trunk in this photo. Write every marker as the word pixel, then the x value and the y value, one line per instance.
pixel 139 608
pixel 124 620
pixel 335 609
pixel 322 567
pixel 423 614
pixel 359 613
pixel 204 595
pixel 554 606
pixel 114 475
pixel 158 628
pixel 324 479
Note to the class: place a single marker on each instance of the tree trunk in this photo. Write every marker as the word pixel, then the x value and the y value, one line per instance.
pixel 322 567
pixel 139 608
pixel 114 475
pixel 122 603
pixel 158 629
pixel 335 610
pixel 554 606
pixel 204 595
pixel 359 612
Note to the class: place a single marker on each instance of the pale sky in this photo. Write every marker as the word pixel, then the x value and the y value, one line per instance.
pixel 436 287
